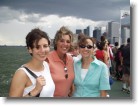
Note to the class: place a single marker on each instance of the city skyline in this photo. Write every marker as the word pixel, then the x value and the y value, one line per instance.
pixel 19 17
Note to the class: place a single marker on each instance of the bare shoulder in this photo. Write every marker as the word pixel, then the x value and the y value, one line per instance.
pixel 20 75
pixel 104 52
pixel 20 72
pixel 18 83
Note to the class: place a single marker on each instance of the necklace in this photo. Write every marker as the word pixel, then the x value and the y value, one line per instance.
pixel 66 72
pixel 65 68
pixel 63 58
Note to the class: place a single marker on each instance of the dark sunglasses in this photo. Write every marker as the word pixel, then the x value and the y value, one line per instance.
pixel 66 74
pixel 88 46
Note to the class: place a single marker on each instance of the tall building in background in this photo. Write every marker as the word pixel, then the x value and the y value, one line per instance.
pixel 97 33
pixel 125 25
pixel 125 33
pixel 89 31
pixel 78 31
pixel 114 32
pixel 85 32
pixel 92 31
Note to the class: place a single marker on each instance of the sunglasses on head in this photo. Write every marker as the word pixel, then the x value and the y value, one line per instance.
pixel 66 74
pixel 88 46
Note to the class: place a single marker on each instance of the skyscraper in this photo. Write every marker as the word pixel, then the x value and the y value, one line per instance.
pixel 97 33
pixel 78 31
pixel 125 33
pixel 114 32
pixel 89 31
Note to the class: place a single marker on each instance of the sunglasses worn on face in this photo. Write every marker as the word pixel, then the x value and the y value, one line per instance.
pixel 88 46
pixel 66 74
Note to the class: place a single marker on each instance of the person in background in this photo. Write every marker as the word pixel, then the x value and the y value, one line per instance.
pixel 61 63
pixel 91 75
pixel 118 59
pixel 101 53
pixel 126 67
pixel 110 58
pixel 114 50
pixel 74 52
pixel 95 46
pixel 103 39
pixel 23 83
pixel 74 45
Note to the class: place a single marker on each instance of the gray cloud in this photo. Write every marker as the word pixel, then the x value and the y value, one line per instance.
pixel 18 17
pixel 90 9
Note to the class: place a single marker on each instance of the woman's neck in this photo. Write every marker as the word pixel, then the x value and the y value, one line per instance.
pixel 86 62
pixel 35 65
pixel 62 57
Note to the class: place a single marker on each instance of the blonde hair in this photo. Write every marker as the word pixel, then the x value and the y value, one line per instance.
pixel 61 32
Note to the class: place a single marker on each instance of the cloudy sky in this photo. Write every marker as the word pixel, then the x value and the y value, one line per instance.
pixel 18 17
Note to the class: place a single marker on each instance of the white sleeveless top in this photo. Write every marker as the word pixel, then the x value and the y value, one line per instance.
pixel 48 89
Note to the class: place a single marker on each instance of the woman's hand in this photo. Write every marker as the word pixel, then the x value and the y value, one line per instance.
pixel 40 82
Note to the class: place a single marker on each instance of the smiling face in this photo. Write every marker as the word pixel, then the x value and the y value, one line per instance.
pixel 86 48
pixel 38 42
pixel 63 45
pixel 41 50
pixel 62 41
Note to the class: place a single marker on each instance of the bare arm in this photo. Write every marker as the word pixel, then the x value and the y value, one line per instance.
pixel 105 57
pixel 103 93
pixel 18 84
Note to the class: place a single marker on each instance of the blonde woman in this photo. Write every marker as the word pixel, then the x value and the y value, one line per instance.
pixel 61 63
